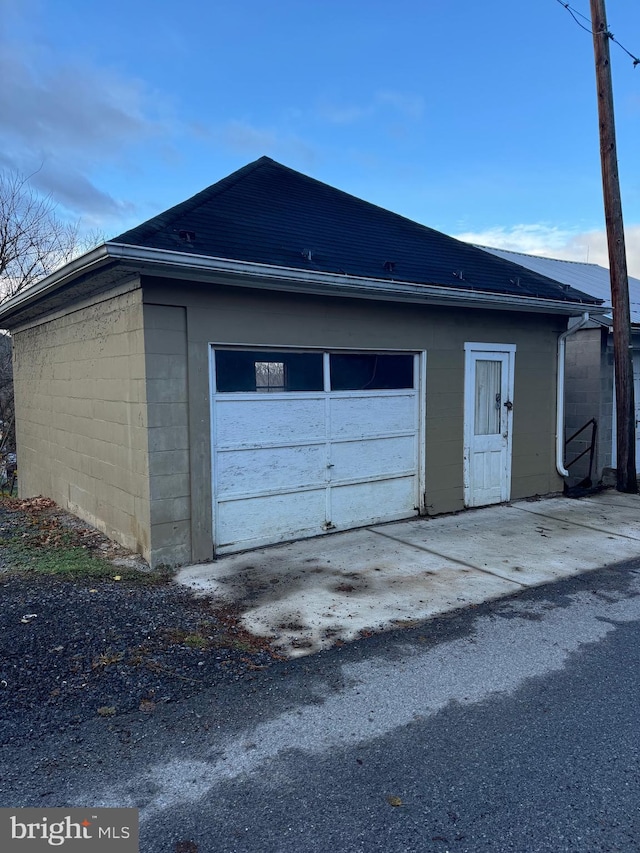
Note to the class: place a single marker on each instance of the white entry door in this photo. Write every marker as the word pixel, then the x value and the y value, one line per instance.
pixel 488 421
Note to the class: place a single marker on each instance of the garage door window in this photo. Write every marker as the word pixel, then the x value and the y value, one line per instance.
pixel 371 372
pixel 270 376
pixel 273 372
pixel 268 371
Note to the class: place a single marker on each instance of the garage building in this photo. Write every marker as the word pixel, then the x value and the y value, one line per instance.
pixel 275 359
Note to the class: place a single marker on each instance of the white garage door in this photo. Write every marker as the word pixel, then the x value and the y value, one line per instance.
pixel 307 442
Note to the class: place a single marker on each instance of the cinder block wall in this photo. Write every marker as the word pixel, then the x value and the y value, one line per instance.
pixel 81 418
pixel 585 380
pixel 168 420
pixel 606 437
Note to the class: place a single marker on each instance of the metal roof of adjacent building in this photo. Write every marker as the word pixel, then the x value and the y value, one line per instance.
pixel 266 213
pixel 590 278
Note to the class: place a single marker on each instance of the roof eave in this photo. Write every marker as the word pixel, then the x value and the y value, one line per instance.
pixel 164 262
pixel 167 263
pixel 89 262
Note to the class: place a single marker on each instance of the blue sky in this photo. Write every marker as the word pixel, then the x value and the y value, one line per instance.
pixel 475 118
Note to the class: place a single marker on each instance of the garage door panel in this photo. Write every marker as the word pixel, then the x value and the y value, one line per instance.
pixel 271 469
pixel 353 460
pixel 370 415
pixel 258 520
pixel 293 463
pixel 369 503
pixel 268 420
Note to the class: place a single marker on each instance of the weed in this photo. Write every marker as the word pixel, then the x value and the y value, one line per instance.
pixel 195 639
pixel 70 562
pixel 34 540
pixel 107 659
pixel 207 636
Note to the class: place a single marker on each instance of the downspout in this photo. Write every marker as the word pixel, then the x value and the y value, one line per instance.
pixel 560 393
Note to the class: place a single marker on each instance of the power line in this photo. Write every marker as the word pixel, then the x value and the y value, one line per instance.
pixel 575 14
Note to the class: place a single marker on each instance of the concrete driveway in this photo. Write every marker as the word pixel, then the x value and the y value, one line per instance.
pixel 309 595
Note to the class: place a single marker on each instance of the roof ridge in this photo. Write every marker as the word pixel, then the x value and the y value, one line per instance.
pixel 161 220
pixel 263 210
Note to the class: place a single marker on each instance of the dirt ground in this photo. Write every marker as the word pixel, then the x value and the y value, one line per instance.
pixel 87 631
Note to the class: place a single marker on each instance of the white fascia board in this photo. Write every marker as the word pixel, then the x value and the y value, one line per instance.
pixel 170 263
pixel 84 263
pixel 256 275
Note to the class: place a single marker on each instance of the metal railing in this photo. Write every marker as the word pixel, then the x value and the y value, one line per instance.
pixel 591 449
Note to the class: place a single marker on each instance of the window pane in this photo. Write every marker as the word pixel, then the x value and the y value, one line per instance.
pixel 488 401
pixel 270 376
pixel 268 371
pixel 370 372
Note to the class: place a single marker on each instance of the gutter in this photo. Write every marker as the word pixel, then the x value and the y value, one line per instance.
pixel 560 392
pixel 89 261
pixel 314 281
pixel 165 262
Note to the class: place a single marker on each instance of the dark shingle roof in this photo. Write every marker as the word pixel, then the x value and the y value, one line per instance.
pixel 269 214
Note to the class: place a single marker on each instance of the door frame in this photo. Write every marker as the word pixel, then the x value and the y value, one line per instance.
pixel 470 349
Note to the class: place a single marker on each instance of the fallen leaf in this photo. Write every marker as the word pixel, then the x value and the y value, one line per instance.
pixel 117 577
pixel 394 801
pixel 147 705
pixel 107 711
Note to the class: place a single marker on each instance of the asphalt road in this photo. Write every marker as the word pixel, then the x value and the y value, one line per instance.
pixel 512 726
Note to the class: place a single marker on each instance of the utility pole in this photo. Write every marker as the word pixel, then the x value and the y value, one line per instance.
pixel 625 410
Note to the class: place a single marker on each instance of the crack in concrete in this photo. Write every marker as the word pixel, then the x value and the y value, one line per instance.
pixel 495 574
pixel 557 519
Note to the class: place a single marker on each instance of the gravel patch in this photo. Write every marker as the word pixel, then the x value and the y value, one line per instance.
pixel 81 648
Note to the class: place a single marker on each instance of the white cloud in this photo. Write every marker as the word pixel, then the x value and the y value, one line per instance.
pixel 253 141
pixel 410 106
pixel 555 242
pixel 60 119
pixel 335 114
pixel 241 136
pixel 406 104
